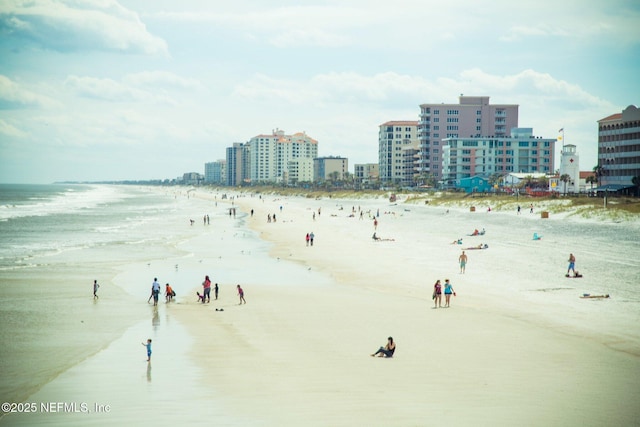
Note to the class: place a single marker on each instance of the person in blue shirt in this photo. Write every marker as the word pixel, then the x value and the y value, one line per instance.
pixel 148 345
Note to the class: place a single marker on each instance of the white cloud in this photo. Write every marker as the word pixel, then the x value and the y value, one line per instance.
pixel 113 91
pixel 69 25
pixel 161 79
pixel 15 94
pixel 10 130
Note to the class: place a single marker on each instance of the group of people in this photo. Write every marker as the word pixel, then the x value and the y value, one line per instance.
pixel 309 238
pixel 206 289
pixel 205 297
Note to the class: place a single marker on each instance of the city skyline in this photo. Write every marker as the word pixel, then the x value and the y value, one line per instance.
pixel 116 90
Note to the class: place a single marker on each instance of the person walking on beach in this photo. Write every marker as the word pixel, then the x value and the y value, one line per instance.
pixel 307 239
pixel 206 285
pixel 448 290
pixel 148 345
pixel 311 236
pixel 241 295
pixel 572 265
pixel 387 350
pixel 437 294
pixel 215 291
pixel 375 223
pixel 463 262
pixel 155 290
pixel 95 289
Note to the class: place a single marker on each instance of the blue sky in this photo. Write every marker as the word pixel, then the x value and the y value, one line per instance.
pixel 139 89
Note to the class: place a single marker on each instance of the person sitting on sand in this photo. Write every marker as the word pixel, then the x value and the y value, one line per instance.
pixel 200 297
pixel 475 232
pixel 457 242
pixel 387 350
pixel 375 237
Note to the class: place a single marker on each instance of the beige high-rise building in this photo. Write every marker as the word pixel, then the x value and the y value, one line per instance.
pixel 472 117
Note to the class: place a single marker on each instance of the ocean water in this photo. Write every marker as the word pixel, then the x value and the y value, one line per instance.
pixel 54 241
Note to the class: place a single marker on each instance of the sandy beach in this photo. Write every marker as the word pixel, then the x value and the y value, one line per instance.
pixel 298 352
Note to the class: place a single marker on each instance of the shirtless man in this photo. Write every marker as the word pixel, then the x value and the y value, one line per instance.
pixel 463 262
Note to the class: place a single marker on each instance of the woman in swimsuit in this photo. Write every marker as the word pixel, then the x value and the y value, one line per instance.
pixel 437 294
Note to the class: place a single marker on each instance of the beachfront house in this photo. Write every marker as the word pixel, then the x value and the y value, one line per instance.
pixel 474 184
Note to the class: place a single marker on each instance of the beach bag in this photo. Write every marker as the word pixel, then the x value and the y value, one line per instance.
pixel 173 293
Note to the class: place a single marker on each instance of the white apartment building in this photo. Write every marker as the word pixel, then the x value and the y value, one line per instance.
pixel 271 154
pixel 397 144
pixel 485 156
pixel 472 117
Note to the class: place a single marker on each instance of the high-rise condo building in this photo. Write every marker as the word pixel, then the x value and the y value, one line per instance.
pixel 270 154
pixel 237 168
pixel 465 157
pixel 619 148
pixel 215 172
pixel 397 145
pixel 472 117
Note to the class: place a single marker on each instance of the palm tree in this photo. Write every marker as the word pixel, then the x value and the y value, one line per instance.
pixel 591 179
pixel 565 178
pixel 599 171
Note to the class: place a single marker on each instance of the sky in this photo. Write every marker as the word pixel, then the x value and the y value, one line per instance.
pixel 95 90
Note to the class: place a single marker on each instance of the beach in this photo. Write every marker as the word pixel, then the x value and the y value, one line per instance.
pixel 518 346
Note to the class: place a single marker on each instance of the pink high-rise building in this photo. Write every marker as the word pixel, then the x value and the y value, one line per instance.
pixel 472 117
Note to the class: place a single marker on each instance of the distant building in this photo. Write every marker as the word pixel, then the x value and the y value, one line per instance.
pixel 237 164
pixel 270 154
pixel 299 170
pixel 485 156
pixel 366 172
pixel 192 178
pixel 330 168
pixel 215 172
pixel 569 165
pixel 474 184
pixel 619 149
pixel 397 144
pixel 472 117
